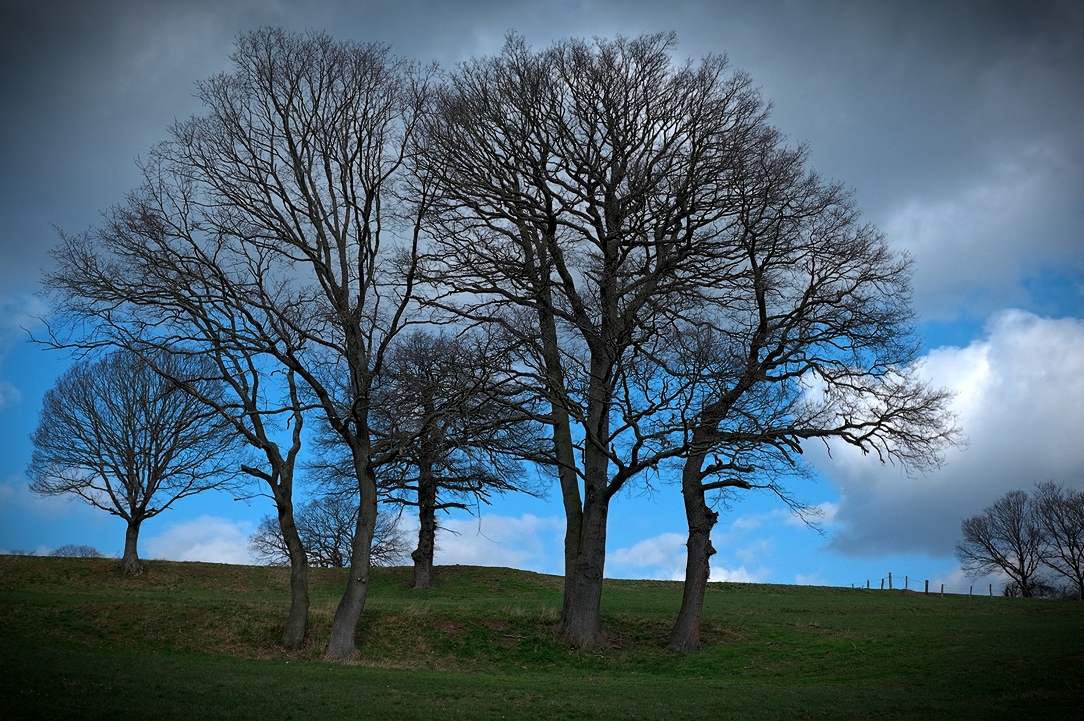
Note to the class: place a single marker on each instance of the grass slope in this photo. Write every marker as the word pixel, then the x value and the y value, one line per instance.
pixel 193 640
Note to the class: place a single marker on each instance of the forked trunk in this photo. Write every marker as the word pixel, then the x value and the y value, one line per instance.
pixel 685 636
pixel 297 622
pixel 581 616
pixel 427 531
pixel 130 562
pixel 585 521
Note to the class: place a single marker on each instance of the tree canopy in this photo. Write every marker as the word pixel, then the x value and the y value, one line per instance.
pixel 677 282
pixel 124 439
pixel 660 280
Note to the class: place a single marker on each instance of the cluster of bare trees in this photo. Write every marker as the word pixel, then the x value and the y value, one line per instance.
pixel 1035 540
pixel 591 260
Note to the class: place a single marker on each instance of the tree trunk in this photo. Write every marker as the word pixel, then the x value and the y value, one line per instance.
pixel 297 622
pixel 581 616
pixel 344 626
pixel 685 636
pixel 427 530
pixel 585 533
pixel 130 563
pixel 585 522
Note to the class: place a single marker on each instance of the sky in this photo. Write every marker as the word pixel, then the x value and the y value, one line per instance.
pixel 958 125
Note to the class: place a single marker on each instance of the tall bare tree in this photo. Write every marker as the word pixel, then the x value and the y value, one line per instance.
pixel 1006 537
pixel 808 337
pixel 126 440
pixel 599 204
pixel 278 211
pixel 132 278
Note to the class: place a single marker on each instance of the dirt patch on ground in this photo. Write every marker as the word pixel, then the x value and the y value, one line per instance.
pixel 445 626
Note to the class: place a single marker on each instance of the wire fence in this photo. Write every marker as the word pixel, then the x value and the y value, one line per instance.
pixel 916 584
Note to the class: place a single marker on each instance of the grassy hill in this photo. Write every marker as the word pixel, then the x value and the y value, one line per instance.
pixel 194 640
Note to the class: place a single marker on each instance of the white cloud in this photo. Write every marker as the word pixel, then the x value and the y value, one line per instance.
pixel 528 542
pixel 756 550
pixel 813 579
pixel 659 557
pixel 743 549
pixel 19 311
pixel 207 538
pixel 15 495
pixel 651 551
pixel 39 551
pixel 958 582
pixel 9 395
pixel 746 524
pixel 820 514
pixel 1021 406
pixel 663 558
pixel 738 575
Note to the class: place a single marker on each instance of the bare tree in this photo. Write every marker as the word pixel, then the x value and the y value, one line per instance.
pixel 143 294
pixel 1006 537
pixel 1060 514
pixel 266 545
pixel 808 336
pixel 278 211
pixel 568 207
pixel 599 205
pixel 451 428
pixel 126 440
pixel 300 147
pixel 326 526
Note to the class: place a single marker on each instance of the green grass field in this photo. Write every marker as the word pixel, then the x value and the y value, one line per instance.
pixel 196 640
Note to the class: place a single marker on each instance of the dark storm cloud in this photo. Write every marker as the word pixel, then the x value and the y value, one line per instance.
pixel 912 103
pixel 88 87
pixel 960 125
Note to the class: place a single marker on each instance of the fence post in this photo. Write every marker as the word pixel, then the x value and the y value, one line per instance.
pixel 867 584
pixel 927 591
pixel 991 590
pixel 906 583
pixel 942 590
pixel 970 590
pixel 882 584
pixel 890 580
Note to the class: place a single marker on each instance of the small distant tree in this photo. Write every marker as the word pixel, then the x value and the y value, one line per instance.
pixel 126 440
pixel 72 550
pixel 326 526
pixel 1007 537
pixel 449 430
pixel 1060 515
